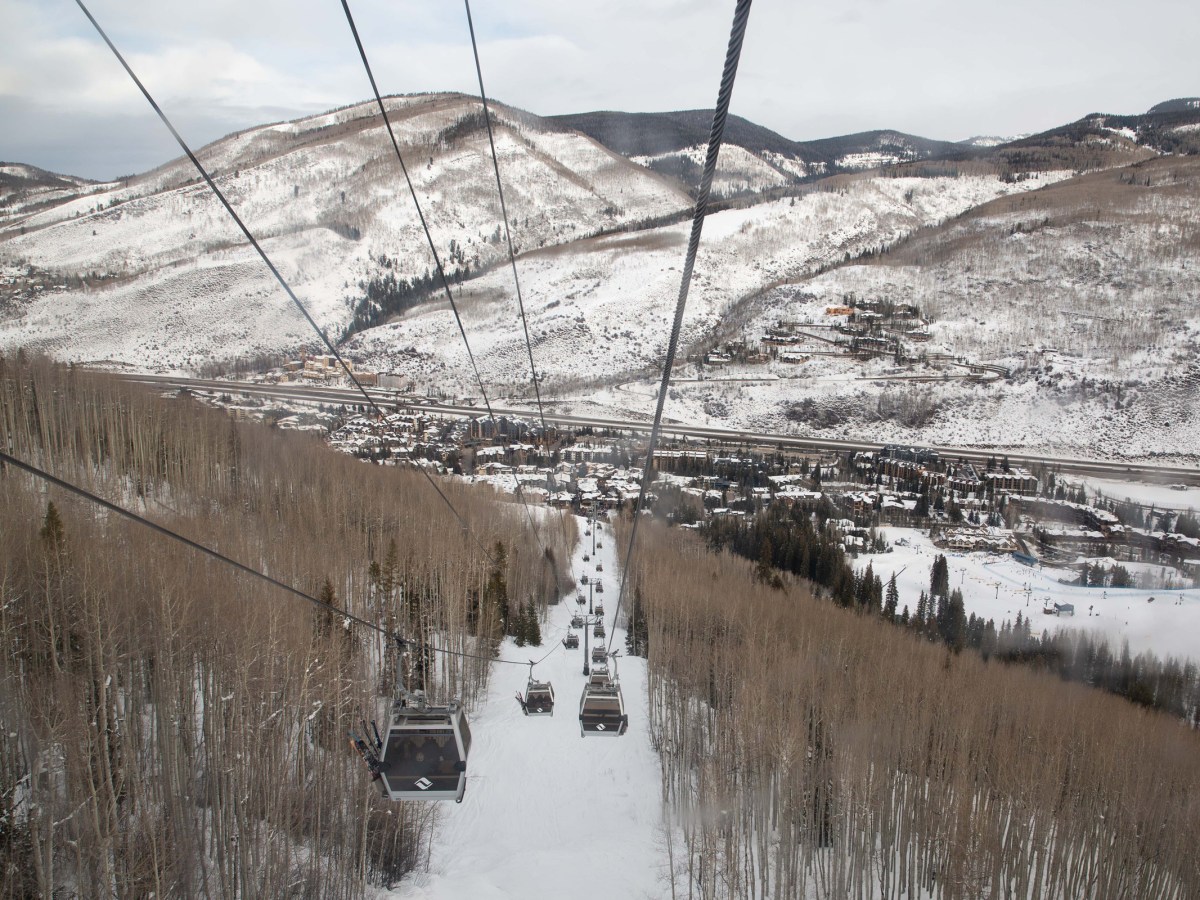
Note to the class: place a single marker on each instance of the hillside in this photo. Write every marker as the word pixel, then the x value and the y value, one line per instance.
pixel 110 272
pixel 1084 291
pixel 149 694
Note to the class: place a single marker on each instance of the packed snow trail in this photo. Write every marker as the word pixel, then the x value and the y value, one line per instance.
pixel 547 812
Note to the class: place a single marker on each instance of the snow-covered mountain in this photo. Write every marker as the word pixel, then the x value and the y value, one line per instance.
pixel 149 272
pixel 168 281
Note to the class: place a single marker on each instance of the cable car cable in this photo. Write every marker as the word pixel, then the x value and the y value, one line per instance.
pixel 417 203
pixel 262 253
pixel 437 261
pixel 512 257
pixel 241 567
pixel 732 54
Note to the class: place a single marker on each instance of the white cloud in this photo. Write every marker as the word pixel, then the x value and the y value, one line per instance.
pixel 933 67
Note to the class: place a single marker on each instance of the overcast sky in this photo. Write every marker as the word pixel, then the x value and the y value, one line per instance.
pixel 936 68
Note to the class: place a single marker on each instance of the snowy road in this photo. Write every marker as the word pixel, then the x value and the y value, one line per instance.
pixel 548 813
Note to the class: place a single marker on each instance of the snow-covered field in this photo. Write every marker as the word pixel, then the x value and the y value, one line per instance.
pixel 997 587
pixel 548 813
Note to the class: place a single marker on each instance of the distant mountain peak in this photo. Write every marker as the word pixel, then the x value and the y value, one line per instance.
pixel 1182 104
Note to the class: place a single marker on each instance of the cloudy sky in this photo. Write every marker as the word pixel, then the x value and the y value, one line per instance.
pixel 935 68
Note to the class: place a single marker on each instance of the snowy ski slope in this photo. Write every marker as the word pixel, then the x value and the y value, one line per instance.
pixel 548 813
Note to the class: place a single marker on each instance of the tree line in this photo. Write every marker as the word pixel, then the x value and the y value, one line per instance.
pixel 796 541
pixel 810 750
pixel 169 726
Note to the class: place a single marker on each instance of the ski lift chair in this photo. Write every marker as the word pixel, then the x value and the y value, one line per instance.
pixel 602 709
pixel 423 756
pixel 539 698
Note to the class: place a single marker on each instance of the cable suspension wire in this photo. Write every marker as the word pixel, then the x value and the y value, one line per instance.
pixel 229 561
pixel 433 250
pixel 270 265
pixel 437 260
pixel 512 256
pixel 737 32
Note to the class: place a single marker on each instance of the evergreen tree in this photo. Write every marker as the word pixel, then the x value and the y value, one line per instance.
pixel 939 577
pixel 637 641
pixel 892 599
pixel 533 628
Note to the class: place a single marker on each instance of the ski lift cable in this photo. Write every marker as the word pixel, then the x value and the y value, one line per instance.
pixel 437 260
pixel 262 253
pixel 720 114
pixel 512 256
pixel 229 561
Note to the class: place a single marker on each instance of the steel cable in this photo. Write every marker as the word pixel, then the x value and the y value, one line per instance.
pixel 737 32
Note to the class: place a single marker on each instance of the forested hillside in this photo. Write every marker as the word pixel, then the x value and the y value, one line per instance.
pixel 816 752
pixel 172 728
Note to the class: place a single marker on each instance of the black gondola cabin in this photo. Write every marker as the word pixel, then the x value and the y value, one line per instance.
pixel 424 754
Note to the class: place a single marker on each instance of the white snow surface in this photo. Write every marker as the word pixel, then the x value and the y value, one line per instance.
pixel 994 586
pixel 603 306
pixel 548 813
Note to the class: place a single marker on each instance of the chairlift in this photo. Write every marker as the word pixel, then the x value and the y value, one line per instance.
pixel 571 641
pixel 602 708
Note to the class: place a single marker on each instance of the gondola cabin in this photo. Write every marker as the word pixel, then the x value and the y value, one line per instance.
pixel 539 698
pixel 577 621
pixel 598 630
pixel 602 709
pixel 571 641
pixel 599 567
pixel 586 557
pixel 599 654
pixel 599 607
pixel 424 753
pixel 583 579
pixel 599 588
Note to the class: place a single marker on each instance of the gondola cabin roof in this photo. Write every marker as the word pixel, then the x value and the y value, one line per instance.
pixel 424 754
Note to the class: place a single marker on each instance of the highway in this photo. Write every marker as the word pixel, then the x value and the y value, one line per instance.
pixel 388 399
